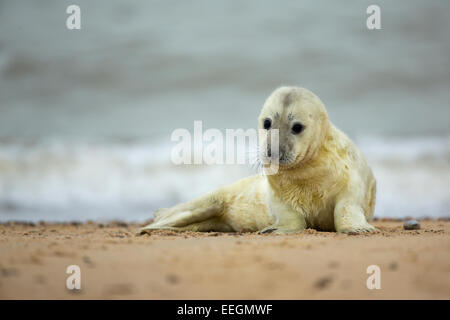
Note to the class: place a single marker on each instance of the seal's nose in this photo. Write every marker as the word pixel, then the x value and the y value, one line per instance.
pixel 273 154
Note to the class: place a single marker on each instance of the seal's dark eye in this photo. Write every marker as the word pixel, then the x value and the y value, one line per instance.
pixel 267 124
pixel 297 128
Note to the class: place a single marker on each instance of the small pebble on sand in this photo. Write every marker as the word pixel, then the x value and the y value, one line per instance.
pixel 411 225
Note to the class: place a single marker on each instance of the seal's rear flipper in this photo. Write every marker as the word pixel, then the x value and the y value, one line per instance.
pixel 178 219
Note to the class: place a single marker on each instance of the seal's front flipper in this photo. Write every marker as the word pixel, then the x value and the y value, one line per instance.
pixel 287 220
pixel 350 218
pixel 281 230
pixel 269 229
pixel 288 224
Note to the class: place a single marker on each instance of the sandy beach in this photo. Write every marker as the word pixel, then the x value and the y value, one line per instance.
pixel 115 264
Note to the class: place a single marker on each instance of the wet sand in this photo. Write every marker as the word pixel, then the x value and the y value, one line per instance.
pixel 115 264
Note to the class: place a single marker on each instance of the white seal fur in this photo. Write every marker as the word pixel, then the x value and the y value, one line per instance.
pixel 323 181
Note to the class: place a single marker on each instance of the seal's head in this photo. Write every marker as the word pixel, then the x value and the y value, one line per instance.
pixel 299 119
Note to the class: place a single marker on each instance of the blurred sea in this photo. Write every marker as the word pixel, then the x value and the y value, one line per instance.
pixel 86 116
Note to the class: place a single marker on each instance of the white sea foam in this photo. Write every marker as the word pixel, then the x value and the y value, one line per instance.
pixel 59 181
pixel 62 181
pixel 413 175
